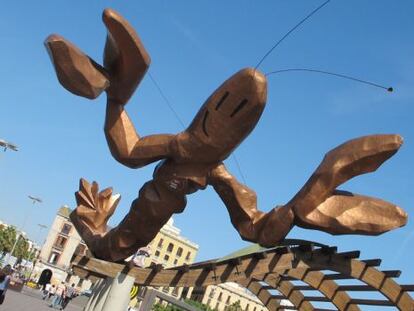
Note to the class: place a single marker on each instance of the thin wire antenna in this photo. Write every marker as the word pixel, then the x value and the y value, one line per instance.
pixel 290 31
pixel 389 89
pixel 238 167
pixel 157 86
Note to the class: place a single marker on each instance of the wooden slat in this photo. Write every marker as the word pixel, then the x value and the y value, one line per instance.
pixel 372 302
pixel 289 263
pixel 408 288
pixel 349 255
pixel 316 298
pixel 372 262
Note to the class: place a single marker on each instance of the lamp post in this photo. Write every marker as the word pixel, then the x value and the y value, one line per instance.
pixel 7 145
pixel 35 259
pixel 34 200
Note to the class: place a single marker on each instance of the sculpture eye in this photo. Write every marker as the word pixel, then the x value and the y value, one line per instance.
pixel 222 99
pixel 239 107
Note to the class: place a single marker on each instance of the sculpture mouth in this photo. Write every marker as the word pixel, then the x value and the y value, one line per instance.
pixel 205 123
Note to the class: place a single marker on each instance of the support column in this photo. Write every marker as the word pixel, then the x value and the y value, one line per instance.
pixel 99 293
pixel 149 300
pixel 118 296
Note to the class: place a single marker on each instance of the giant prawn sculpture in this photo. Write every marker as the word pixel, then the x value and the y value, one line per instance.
pixel 192 160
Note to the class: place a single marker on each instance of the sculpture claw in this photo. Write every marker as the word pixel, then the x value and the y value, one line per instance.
pixel 318 205
pixel 125 57
pixel 94 207
pixel 76 72
pixel 348 213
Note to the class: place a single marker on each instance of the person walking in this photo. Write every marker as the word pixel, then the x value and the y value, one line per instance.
pixel 70 293
pixel 4 282
pixel 59 296
pixel 51 293
pixel 46 291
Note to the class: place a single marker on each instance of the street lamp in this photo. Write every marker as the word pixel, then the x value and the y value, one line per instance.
pixel 35 258
pixel 7 145
pixel 34 200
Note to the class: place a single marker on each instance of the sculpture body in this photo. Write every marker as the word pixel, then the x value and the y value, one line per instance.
pixel 192 159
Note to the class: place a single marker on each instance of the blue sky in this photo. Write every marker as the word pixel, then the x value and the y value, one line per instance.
pixel 194 47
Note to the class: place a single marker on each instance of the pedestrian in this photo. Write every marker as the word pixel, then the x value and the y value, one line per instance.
pixel 52 292
pixel 59 296
pixel 4 282
pixel 46 291
pixel 70 293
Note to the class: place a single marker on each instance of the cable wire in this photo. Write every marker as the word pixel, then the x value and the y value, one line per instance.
pixel 389 89
pixel 157 86
pixel 290 31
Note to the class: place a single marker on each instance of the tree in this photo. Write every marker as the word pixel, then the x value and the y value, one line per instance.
pixel 22 248
pixel 198 305
pixel 235 306
pixel 160 307
pixel 7 238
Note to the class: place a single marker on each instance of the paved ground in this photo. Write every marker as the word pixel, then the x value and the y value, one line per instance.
pixel 31 300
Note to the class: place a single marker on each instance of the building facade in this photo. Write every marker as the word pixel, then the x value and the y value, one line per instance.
pixel 168 248
pixel 220 297
pixel 62 242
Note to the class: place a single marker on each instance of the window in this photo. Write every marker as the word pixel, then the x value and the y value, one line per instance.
pixel 217 305
pixel 254 309
pixel 175 291
pixel 80 283
pixel 141 291
pixel 228 300
pixel 66 229
pixel 60 242
pixel 247 307
pixel 170 247
pixel 188 256
pixel 166 257
pixel 179 251
pixel 175 261
pixel 68 276
pixel 53 258
pixel 208 302
pixel 157 254
pixel 80 249
pixel 220 297
pixel 160 242
pixel 212 292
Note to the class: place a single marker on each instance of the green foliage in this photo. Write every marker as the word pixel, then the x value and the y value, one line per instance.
pixel 7 238
pixel 160 307
pixel 235 306
pixel 198 305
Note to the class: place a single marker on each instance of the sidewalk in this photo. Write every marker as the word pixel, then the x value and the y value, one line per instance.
pixel 30 299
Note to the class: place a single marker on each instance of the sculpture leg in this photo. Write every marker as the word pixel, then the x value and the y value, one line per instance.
pixel 253 225
pixel 149 212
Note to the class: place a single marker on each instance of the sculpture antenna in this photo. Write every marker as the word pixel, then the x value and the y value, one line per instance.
pixel 339 75
pixel 290 31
